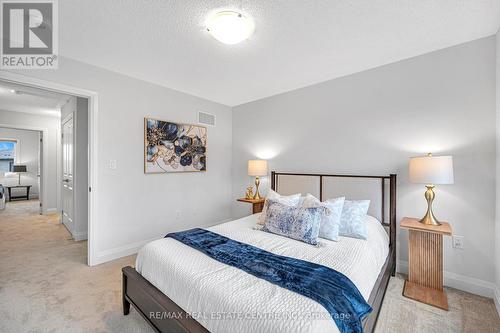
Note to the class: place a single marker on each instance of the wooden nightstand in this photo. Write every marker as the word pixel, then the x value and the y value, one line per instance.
pixel 425 261
pixel 257 204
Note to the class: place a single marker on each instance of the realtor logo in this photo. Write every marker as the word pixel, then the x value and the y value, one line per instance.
pixel 29 34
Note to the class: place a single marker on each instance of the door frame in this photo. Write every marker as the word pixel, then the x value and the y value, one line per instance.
pixel 42 193
pixel 92 145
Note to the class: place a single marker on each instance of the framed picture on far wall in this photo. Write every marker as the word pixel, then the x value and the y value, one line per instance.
pixel 174 147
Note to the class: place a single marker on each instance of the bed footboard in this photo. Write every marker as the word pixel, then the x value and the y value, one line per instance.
pixel 155 307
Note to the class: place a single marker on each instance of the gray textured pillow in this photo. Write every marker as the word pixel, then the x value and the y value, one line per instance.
pixel 294 222
pixel 352 221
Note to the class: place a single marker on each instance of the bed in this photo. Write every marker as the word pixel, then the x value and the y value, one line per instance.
pixel 199 294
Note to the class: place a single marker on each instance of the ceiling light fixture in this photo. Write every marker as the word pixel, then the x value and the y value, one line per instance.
pixel 230 27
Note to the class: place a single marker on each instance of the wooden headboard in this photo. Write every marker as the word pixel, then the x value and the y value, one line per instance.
pixel 380 190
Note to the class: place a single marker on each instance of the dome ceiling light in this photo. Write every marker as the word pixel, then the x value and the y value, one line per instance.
pixel 230 27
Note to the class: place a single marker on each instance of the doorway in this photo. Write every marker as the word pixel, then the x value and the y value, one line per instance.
pixel 69 166
pixel 20 165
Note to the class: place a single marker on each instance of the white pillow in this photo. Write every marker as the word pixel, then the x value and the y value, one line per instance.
pixel 291 200
pixel 330 223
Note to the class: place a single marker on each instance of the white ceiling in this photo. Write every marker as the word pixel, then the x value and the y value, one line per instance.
pixel 31 100
pixel 296 42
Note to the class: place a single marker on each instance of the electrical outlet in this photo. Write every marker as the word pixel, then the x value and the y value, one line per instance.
pixel 112 164
pixel 458 242
pixel 177 214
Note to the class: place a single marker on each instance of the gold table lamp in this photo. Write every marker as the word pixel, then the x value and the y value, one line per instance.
pixel 431 170
pixel 257 168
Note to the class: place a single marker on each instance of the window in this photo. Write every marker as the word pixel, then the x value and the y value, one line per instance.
pixel 7 155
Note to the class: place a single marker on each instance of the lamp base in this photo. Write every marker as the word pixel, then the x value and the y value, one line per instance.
pixel 257 194
pixel 429 218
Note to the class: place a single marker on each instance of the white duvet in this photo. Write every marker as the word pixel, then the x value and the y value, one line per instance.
pixel 226 299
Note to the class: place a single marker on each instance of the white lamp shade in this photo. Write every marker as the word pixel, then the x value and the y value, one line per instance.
pixel 257 167
pixel 431 170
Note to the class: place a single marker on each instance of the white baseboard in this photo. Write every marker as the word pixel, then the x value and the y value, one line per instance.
pixel 122 251
pixel 79 236
pixel 128 250
pixel 461 282
pixel 50 210
pixel 496 299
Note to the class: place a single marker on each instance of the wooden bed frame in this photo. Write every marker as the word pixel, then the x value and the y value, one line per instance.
pixel 165 316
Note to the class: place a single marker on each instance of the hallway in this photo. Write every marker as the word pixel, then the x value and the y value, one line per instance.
pixel 45 282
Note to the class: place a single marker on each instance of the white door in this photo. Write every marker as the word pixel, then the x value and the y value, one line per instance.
pixel 68 181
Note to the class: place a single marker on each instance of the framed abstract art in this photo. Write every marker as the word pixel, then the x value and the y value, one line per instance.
pixel 174 147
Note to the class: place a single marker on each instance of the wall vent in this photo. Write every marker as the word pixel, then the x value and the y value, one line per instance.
pixel 206 118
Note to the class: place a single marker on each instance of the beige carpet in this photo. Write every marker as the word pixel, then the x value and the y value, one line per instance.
pixel 45 286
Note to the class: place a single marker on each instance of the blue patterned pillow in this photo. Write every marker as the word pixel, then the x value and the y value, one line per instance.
pixel 294 222
pixel 352 221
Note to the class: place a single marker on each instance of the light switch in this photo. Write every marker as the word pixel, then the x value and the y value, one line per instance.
pixel 112 164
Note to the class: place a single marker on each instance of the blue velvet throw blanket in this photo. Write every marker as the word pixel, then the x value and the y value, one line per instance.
pixel 333 290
